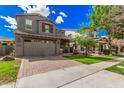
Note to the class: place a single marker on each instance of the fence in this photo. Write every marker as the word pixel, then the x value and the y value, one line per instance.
pixel 6 49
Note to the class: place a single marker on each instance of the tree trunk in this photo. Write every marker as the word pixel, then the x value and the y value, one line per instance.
pixel 109 40
pixel 86 52
pixel 116 51
pixel 119 49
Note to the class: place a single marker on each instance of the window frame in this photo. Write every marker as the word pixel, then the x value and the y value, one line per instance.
pixel 48 28
pixel 28 22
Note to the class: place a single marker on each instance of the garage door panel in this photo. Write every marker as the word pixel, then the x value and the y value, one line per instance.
pixel 39 49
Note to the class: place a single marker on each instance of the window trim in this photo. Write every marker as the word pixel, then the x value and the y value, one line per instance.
pixel 51 25
pixel 28 24
pixel 47 28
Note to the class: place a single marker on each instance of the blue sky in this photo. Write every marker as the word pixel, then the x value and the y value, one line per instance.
pixel 65 16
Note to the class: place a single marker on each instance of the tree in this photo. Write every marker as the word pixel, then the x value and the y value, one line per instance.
pixel 88 43
pixel 76 41
pixel 110 18
pixel 85 41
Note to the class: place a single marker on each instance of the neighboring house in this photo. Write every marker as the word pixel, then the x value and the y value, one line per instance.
pixel 36 35
pixel 6 40
pixel 71 33
pixel 6 46
pixel 119 43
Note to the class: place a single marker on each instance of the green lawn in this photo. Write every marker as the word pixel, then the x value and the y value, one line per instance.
pixel 119 68
pixel 90 59
pixel 8 71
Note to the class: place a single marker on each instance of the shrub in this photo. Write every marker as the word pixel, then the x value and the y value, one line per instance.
pixel 8 58
pixel 4 43
pixel 11 43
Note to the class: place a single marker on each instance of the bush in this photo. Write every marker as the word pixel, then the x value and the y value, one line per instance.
pixel 11 43
pixel 8 58
pixel 4 43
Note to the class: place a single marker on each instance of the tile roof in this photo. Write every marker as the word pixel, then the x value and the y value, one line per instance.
pixel 6 39
pixel 25 34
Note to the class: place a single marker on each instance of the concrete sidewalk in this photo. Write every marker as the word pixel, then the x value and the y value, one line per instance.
pixel 102 79
pixel 56 78
pixel 10 85
pixel 72 76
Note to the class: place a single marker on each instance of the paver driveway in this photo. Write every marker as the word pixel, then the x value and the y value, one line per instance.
pixel 36 65
pixel 80 75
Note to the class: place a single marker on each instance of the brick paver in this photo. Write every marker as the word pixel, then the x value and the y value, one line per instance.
pixel 75 77
pixel 31 66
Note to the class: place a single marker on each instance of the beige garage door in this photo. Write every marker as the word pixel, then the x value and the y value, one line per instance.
pixel 39 49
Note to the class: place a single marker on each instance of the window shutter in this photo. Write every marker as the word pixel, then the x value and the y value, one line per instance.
pixel 51 28
pixel 43 27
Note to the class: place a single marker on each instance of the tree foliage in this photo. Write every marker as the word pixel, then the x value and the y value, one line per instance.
pixel 85 41
pixel 106 17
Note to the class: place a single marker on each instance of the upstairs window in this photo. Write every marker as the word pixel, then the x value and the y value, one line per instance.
pixel 47 28
pixel 28 24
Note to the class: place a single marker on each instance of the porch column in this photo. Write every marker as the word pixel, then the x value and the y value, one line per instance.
pixel 19 46
pixel 57 44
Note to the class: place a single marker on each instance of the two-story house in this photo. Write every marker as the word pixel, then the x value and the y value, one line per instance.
pixel 36 35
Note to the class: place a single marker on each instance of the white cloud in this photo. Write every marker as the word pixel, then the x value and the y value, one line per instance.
pixel 9 30
pixel 41 9
pixel 59 19
pixel 11 22
pixel 53 12
pixel 63 14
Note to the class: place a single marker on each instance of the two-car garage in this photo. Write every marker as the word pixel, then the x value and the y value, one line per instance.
pixel 28 45
pixel 41 48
